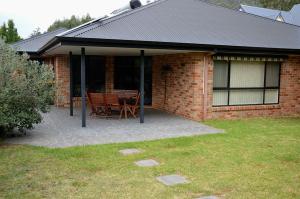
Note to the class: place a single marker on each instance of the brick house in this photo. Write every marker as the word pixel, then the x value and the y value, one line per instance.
pixel 193 59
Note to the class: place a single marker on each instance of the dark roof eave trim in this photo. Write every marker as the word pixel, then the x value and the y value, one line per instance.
pixel 49 45
pixel 166 45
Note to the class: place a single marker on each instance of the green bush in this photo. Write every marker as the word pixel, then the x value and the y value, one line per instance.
pixel 26 90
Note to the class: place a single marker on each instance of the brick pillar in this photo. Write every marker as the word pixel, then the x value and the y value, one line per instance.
pixel 62 80
pixel 209 87
pixel 290 86
pixel 109 74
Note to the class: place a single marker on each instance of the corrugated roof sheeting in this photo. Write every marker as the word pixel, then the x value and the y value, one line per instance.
pixel 33 44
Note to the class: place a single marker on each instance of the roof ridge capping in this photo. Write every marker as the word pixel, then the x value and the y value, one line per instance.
pixel 249 14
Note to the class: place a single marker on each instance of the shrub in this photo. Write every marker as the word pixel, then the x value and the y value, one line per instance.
pixel 26 90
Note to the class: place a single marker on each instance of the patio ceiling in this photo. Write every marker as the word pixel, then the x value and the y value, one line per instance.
pixel 120 51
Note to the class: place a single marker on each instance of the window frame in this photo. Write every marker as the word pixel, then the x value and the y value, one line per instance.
pixel 264 88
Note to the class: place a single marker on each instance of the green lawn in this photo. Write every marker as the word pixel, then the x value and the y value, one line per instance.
pixel 255 158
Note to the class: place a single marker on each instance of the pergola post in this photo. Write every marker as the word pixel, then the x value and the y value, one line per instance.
pixel 142 79
pixel 83 100
pixel 71 83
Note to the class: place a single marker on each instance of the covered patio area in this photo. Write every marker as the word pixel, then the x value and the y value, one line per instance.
pixel 59 130
pixel 166 79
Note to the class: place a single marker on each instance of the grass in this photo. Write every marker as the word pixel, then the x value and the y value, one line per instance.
pixel 254 158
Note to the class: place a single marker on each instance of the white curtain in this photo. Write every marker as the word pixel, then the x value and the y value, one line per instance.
pixel 220 98
pixel 220 74
pixel 272 76
pixel 271 96
pixel 247 74
pixel 239 97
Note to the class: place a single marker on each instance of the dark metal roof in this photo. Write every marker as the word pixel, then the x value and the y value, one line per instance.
pixel 291 17
pixel 264 12
pixel 192 22
pixel 33 44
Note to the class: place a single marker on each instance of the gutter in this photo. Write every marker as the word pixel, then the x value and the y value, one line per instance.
pixel 75 41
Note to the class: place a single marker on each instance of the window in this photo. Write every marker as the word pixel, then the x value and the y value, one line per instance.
pixel 95 74
pixel 245 83
pixel 127 75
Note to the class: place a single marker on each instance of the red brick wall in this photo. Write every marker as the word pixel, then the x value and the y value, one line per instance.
pixel 179 90
pixel 62 80
pixel 289 97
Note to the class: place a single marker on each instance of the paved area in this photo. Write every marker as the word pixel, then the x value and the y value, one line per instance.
pixel 171 180
pixel 147 163
pixel 130 151
pixel 60 130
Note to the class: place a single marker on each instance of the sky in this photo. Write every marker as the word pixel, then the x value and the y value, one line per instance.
pixel 31 14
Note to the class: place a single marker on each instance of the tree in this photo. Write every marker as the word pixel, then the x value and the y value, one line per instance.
pixel 26 90
pixel 275 4
pixel 36 32
pixel 3 31
pixel 69 23
pixel 9 33
pixel 279 4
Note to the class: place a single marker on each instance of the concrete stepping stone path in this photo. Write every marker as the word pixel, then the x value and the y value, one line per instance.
pixel 171 180
pixel 208 197
pixel 147 163
pixel 130 151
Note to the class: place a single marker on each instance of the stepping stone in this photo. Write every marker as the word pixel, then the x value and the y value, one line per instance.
pixel 147 163
pixel 130 151
pixel 209 197
pixel 171 180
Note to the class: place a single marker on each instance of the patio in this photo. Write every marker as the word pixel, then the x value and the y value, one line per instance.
pixel 60 130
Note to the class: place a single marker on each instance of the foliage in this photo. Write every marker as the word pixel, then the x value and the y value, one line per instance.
pixel 234 4
pixel 25 89
pixel 36 32
pixel 275 4
pixel 9 32
pixel 279 4
pixel 69 23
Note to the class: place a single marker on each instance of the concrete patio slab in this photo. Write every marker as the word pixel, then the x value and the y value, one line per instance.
pixel 130 151
pixel 147 163
pixel 58 129
pixel 171 180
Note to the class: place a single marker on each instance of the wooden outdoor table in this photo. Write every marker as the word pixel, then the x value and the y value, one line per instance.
pixel 124 107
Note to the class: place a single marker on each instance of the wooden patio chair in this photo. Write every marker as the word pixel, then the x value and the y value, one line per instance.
pixel 112 102
pixel 97 103
pixel 135 105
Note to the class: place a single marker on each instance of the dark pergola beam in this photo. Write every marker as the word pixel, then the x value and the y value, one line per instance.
pixel 142 83
pixel 71 83
pixel 83 100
